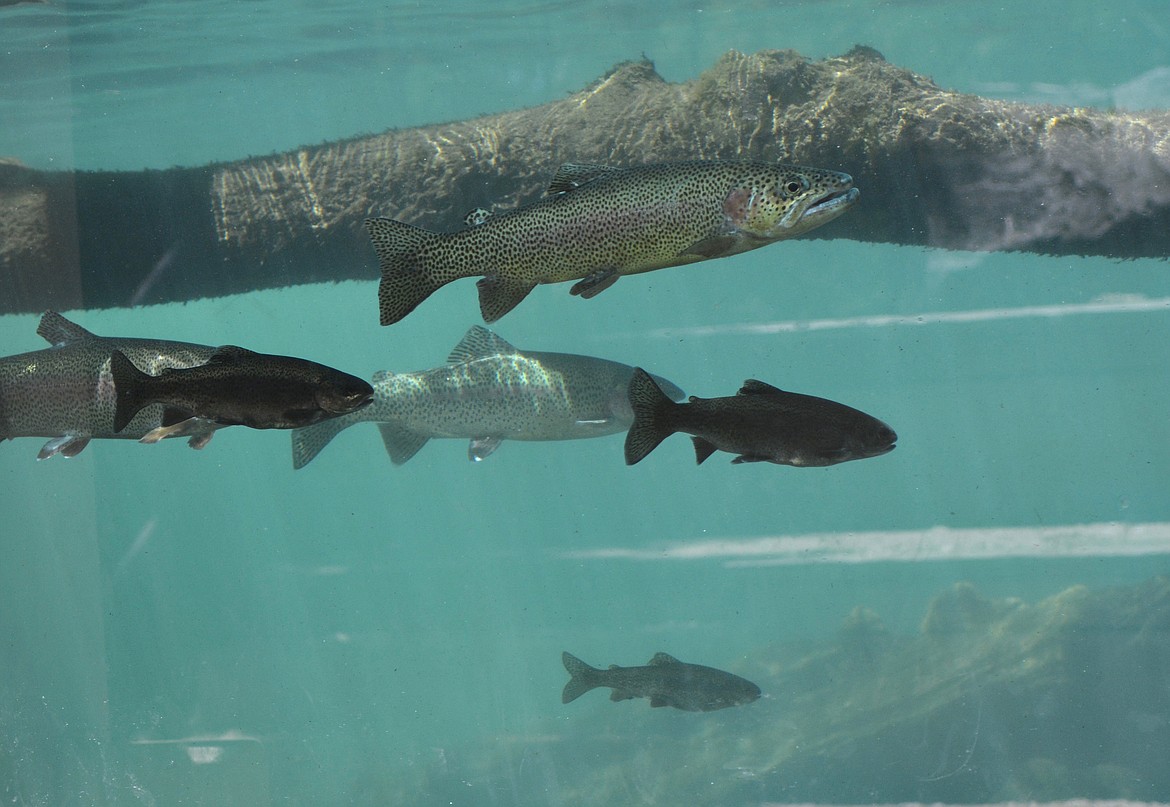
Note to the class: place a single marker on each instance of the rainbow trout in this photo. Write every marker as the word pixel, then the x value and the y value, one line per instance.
pixel 597 223
pixel 489 392
pixel 67 393
pixel 665 680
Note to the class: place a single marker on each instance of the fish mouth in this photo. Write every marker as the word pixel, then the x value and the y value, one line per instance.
pixel 882 448
pixel 832 204
pixel 347 404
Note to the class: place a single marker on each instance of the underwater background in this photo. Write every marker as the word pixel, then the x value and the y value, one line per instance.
pixel 211 627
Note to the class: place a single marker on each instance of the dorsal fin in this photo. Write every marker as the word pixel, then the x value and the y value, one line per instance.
pixel 476 217
pixel 754 387
pixel 663 658
pixel 60 331
pixel 477 343
pixel 573 175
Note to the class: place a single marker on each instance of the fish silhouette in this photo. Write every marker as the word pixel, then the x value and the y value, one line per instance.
pixel 666 681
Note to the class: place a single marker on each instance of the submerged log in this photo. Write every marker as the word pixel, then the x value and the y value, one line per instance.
pixel 936 168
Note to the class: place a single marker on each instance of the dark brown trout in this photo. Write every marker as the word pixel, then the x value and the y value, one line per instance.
pixel 597 223
pixel 760 424
pixel 238 387
pixel 666 681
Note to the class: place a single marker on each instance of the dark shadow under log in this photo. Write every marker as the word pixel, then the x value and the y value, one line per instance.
pixel 935 167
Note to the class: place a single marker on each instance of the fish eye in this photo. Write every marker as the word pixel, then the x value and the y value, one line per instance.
pixel 793 187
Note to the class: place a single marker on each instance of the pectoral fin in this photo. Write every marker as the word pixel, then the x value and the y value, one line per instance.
pixel 594 284
pixel 714 247
pixel 187 427
pixel 201 439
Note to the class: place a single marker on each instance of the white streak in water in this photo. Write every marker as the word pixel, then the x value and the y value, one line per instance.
pixel 140 542
pixel 1111 539
pixel 1110 304
pixel 1067 803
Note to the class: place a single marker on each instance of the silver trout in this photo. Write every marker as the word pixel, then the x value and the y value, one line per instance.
pixel 489 392
pixel 597 223
pixel 67 393
pixel 666 681
pixel 761 424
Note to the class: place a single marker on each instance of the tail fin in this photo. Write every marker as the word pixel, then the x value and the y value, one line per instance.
pixel 405 282
pixel 652 421
pixel 128 389
pixel 308 441
pixel 582 678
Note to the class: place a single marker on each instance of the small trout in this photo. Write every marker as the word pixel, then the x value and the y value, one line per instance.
pixel 598 223
pixel 665 680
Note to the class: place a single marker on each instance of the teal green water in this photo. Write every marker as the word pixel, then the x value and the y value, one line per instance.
pixel 357 633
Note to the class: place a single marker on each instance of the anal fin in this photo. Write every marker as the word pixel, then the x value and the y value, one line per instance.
pixel 401 443
pixel 703 449
pixel 498 296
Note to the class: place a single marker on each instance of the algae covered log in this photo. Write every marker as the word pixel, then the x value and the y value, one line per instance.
pixel 989 701
pixel 938 168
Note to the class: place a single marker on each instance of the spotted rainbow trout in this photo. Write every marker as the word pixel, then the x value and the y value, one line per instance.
pixel 489 392
pixel 597 223
pixel 67 393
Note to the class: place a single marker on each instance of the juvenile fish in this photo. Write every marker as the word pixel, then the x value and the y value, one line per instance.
pixel 489 392
pixel 239 387
pixel 666 681
pixel 597 223
pixel 66 392
pixel 760 424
